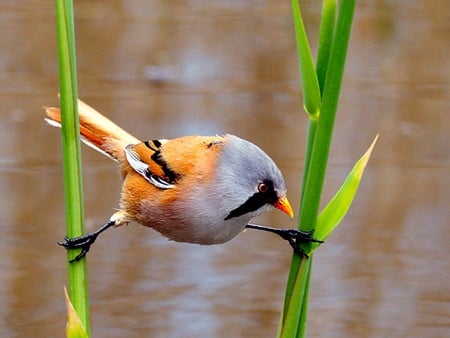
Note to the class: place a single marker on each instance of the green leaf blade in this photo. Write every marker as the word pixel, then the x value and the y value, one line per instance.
pixel 327 25
pixel 74 326
pixel 337 208
pixel 308 77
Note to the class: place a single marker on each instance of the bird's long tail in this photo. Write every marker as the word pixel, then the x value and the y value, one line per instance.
pixel 97 131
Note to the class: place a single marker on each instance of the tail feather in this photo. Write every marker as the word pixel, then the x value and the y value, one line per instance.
pixel 97 131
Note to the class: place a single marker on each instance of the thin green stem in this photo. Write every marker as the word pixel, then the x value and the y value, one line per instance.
pixel 304 308
pixel 331 60
pixel 312 128
pixel 73 187
pixel 330 99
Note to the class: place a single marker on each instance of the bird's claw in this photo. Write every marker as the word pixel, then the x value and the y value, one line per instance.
pixel 295 237
pixel 83 242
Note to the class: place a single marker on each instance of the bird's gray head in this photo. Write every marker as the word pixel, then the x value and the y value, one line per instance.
pixel 253 183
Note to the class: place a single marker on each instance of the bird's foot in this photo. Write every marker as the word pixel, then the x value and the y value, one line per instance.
pixel 295 237
pixel 83 242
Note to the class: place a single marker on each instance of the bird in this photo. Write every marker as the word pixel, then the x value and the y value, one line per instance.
pixel 193 189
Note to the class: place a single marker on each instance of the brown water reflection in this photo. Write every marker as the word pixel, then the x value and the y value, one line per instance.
pixel 164 69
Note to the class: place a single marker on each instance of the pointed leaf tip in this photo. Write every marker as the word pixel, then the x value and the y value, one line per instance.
pixel 74 327
pixel 362 162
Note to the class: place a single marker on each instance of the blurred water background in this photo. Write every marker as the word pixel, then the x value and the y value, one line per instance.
pixel 171 68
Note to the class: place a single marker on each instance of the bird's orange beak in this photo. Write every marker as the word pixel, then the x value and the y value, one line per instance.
pixel 283 204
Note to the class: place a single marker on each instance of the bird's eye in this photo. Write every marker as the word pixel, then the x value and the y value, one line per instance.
pixel 263 187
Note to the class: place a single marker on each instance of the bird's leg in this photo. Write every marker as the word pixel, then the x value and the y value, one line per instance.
pixel 85 241
pixel 293 236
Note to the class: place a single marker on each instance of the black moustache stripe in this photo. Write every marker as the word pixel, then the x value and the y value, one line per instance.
pixel 255 202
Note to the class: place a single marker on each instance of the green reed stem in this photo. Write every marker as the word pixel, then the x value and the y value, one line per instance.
pixel 73 186
pixel 334 38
